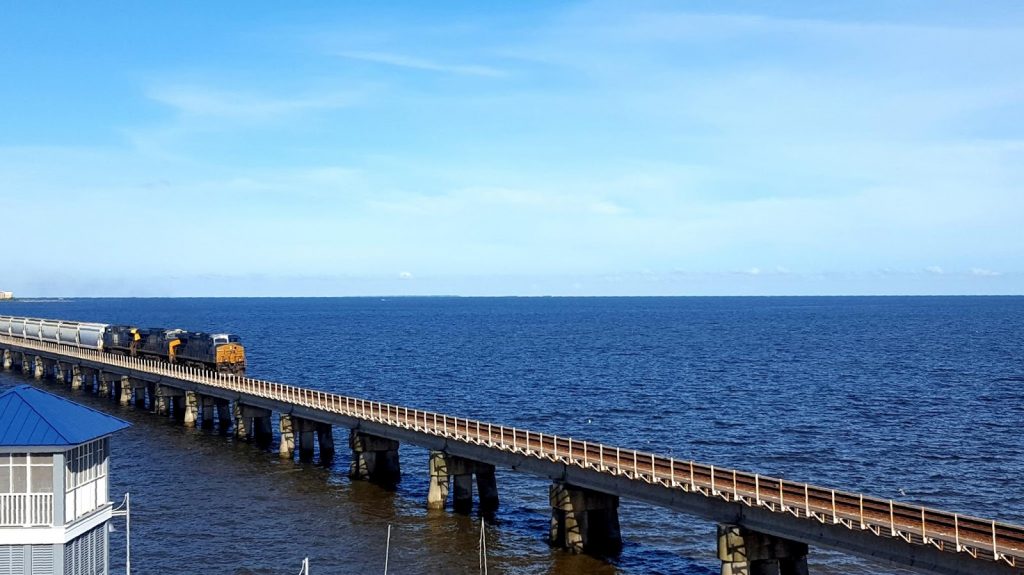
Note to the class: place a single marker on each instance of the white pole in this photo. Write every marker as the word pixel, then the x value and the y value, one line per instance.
pixel 125 510
pixel 483 548
pixel 128 534
pixel 387 551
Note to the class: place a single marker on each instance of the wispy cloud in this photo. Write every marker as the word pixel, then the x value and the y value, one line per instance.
pixel 415 63
pixel 982 272
pixel 200 101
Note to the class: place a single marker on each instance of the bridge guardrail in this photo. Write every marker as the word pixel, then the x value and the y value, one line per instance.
pixel 952 532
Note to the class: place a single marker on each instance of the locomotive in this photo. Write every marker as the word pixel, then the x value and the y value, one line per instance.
pixel 221 352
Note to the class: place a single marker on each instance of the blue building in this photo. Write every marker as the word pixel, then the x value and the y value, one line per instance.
pixel 54 498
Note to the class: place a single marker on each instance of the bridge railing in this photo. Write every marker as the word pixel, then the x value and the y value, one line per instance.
pixel 26 509
pixel 952 532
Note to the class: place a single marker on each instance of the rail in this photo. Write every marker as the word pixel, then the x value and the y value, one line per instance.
pixel 952 532
pixel 26 509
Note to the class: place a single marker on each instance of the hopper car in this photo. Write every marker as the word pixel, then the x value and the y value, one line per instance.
pixel 221 352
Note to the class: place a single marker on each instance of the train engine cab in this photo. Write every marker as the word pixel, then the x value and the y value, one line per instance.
pixel 230 353
pixel 218 351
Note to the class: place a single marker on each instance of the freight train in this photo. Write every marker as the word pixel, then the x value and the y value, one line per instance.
pixel 222 352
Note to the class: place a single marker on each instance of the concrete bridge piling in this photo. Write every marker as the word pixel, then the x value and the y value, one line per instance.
pixel 263 428
pixel 253 423
pixel 224 418
pixel 286 447
pixel 374 458
pixel 449 473
pixel 207 410
pixel 190 406
pixel 303 435
pixel 583 520
pixel 77 377
pixel 103 380
pixel 241 427
pixel 325 439
pixel 305 438
pixel 746 552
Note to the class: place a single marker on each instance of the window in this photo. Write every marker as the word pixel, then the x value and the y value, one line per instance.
pixel 26 473
pixel 85 479
pixel 86 463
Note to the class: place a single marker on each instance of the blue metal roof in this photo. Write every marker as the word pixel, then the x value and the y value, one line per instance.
pixel 31 417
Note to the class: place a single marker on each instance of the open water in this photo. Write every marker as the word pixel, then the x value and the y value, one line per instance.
pixel 919 399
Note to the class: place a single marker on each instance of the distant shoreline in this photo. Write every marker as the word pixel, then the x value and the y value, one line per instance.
pixel 67 299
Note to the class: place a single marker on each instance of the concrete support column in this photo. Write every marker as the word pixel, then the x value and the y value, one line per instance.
pixel 135 394
pixel 263 430
pixel 374 458
pixel 40 368
pixel 77 379
pixel 461 471
pixel 325 439
pixel 793 566
pixel 745 552
pixel 208 408
pixel 56 369
pixel 437 492
pixel 223 414
pixel 584 520
pixel 306 436
pixel 88 379
pixel 8 359
pixel 162 407
pixel 102 384
pixel 253 422
pixel 26 364
pixel 287 446
pixel 486 487
pixel 125 397
pixel 462 493
pixel 241 429
pixel 148 391
pixel 177 404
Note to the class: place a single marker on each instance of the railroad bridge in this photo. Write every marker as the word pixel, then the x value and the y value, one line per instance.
pixel 765 524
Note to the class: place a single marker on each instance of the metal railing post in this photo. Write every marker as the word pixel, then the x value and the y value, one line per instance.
pixel 956 531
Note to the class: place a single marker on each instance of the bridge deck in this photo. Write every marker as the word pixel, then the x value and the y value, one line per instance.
pixel 921 537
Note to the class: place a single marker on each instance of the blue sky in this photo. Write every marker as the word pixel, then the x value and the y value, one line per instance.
pixel 528 148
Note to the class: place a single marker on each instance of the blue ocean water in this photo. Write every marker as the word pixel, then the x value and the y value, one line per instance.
pixel 922 396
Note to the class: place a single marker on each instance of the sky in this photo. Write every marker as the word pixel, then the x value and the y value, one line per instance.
pixel 514 148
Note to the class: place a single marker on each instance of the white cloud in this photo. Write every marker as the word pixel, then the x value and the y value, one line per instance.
pixel 405 275
pixel 981 272
pixel 936 270
pixel 200 101
pixel 607 208
pixel 415 63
